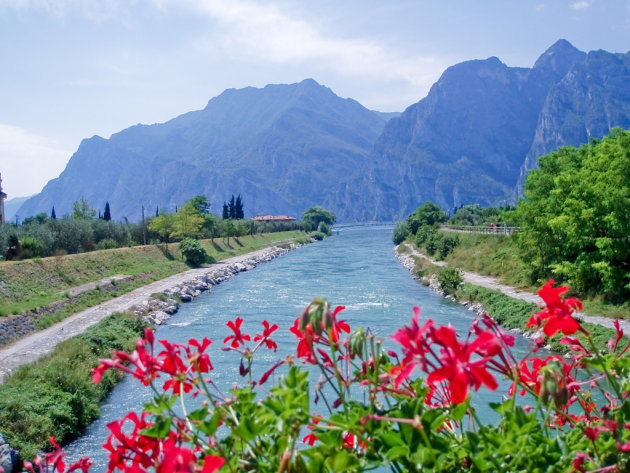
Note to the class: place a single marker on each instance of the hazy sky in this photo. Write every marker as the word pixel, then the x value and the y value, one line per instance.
pixel 70 69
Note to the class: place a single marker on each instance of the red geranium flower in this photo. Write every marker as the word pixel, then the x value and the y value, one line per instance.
pixel 238 338
pixel 556 316
pixel 265 335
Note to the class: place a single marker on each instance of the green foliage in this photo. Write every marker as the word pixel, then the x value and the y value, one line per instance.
pixel 31 247
pixel 163 226
pixel 317 235
pixel 324 228
pixel 188 223
pixel 56 396
pixel 107 215
pixel 401 231
pixel 193 252
pixel 427 214
pixel 475 215
pixel 81 210
pixel 576 217
pixel 312 217
pixel 450 279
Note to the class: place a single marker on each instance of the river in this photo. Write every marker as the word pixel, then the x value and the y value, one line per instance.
pixel 356 268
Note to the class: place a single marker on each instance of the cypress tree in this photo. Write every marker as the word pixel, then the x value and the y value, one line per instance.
pixel 157 211
pixel 107 215
pixel 232 208
pixel 226 213
pixel 53 215
pixel 238 208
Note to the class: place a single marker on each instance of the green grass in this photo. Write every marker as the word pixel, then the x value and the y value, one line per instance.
pixel 490 255
pixel 514 313
pixel 498 256
pixel 56 396
pixel 26 285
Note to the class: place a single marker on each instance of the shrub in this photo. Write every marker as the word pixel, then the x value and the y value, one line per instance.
pixel 401 231
pixel 193 252
pixel 450 279
pixel 107 244
pixel 317 235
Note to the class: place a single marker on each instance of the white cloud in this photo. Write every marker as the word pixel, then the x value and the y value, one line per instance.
pixel 267 32
pixel 580 5
pixel 29 161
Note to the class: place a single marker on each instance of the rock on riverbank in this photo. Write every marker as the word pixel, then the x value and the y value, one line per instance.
pixel 161 307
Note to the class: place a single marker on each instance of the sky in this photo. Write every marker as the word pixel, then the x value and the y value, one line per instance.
pixel 71 69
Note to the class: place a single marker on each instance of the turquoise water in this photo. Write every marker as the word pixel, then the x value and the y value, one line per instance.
pixel 355 268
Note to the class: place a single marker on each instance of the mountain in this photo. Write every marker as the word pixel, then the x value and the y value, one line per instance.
pixel 466 142
pixel 284 148
pixel 592 98
pixel 11 207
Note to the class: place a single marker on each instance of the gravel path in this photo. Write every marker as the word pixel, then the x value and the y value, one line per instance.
pixel 494 283
pixel 34 346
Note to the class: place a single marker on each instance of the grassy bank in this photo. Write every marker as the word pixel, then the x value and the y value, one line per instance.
pixel 27 285
pixel 56 396
pixel 498 256
pixel 508 312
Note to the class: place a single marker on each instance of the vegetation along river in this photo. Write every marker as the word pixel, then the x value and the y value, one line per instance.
pixel 355 268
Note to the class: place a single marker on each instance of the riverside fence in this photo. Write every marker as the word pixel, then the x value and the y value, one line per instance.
pixel 487 229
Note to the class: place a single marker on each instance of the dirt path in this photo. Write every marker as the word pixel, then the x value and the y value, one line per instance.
pixel 494 283
pixel 34 346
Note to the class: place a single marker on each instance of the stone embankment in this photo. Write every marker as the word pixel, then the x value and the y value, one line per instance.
pixel 161 307
pixel 156 302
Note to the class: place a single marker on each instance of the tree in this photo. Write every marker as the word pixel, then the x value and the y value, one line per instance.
pixel 200 202
pixel 163 226
pixel 231 208
pixel 576 217
pixel 107 214
pixel 82 210
pixel 427 214
pixel 238 208
pixel 53 215
pixel 226 212
pixel 312 217
pixel 188 222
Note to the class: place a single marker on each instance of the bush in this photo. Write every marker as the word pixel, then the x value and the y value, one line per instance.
pixel 194 254
pixel 324 228
pixel 107 244
pixel 57 396
pixel 450 279
pixel 401 231
pixel 31 247
pixel 317 235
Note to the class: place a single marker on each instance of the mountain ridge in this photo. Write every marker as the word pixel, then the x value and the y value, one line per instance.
pixel 287 147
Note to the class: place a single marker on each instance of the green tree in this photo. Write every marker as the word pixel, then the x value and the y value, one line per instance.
pixel 226 212
pixel 200 202
pixel 312 217
pixel 163 226
pixel 576 217
pixel 188 222
pixel 53 215
pixel 107 214
pixel 427 214
pixel 238 208
pixel 82 210
pixel 232 208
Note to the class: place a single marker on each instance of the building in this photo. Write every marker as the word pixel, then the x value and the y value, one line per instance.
pixel 3 196
pixel 273 218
